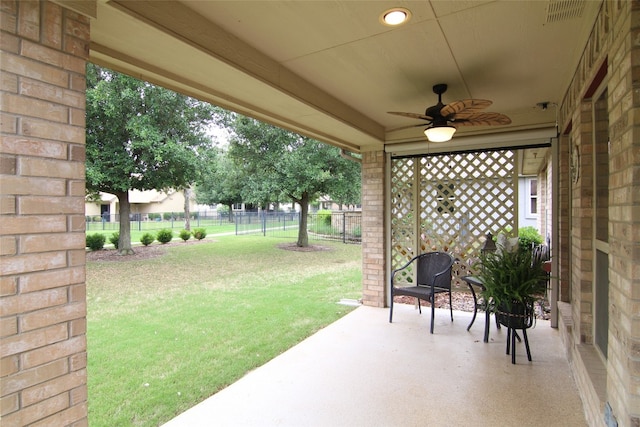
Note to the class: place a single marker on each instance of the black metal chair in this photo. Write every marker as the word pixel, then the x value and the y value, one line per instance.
pixel 433 276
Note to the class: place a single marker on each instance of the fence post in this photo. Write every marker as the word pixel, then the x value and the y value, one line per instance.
pixel 344 227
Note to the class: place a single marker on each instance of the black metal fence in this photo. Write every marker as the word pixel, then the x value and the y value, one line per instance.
pixel 345 226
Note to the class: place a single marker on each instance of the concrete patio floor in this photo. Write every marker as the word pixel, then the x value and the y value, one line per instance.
pixel 364 371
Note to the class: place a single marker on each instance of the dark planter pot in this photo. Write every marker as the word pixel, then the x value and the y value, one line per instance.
pixel 520 316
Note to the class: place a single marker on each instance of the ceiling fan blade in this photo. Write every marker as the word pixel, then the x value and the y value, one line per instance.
pixel 470 105
pixel 482 119
pixel 412 115
pixel 407 127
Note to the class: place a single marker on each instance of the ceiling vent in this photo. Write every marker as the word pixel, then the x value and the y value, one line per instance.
pixel 562 10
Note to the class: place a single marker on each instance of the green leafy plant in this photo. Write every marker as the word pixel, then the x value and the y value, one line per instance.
pixel 511 276
pixel 114 238
pixel 185 235
pixel 199 233
pixel 324 217
pixel 528 236
pixel 95 242
pixel 147 239
pixel 165 235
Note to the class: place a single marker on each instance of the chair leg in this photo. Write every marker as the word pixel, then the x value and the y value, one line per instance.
pixel 391 309
pixel 419 306
pixel 526 344
pixel 508 340
pixel 450 306
pixel 433 311
pixel 513 345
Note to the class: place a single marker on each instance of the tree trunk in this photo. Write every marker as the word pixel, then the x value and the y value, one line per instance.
pixel 187 209
pixel 230 212
pixel 124 242
pixel 303 237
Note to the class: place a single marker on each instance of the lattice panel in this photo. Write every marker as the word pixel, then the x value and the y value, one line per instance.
pixel 449 202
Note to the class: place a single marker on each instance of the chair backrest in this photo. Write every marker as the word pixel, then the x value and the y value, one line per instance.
pixel 432 263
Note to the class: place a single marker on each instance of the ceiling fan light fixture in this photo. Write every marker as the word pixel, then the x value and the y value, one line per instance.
pixel 396 16
pixel 439 133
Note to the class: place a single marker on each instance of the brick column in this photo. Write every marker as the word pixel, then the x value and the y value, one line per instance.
pixel 42 242
pixel 373 231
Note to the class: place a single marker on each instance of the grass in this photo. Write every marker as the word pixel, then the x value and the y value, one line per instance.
pixel 166 333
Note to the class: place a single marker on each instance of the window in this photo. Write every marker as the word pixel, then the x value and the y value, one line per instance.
pixel 532 197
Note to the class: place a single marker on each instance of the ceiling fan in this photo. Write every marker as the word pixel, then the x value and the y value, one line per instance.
pixel 443 119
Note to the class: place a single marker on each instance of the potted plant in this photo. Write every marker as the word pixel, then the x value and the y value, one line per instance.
pixel 513 280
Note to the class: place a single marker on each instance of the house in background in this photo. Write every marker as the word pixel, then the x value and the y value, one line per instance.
pixel 143 203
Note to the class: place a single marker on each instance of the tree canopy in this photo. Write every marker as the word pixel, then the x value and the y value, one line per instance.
pixel 280 166
pixel 140 136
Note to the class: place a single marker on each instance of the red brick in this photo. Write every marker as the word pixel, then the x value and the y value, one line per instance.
pixel 33 262
pixel 39 411
pixel 77 223
pixel 9 326
pixel 77 153
pixel 8 19
pixel 52 25
pixel 7 205
pixel 77 117
pixel 78 361
pixel 76 188
pixel 31 377
pixel 38 205
pixel 29 147
pixel 52 93
pixel 9 365
pixel 34 108
pixel 78 327
pixel 78 82
pixel 78 293
pixel 77 257
pixel 50 130
pixel 51 168
pixel 52 316
pixel 9 123
pixel 59 350
pixel 74 416
pixel 26 185
pixel 51 242
pixel 53 387
pixel 79 394
pixel 29 20
pixel 8 245
pixel 8 286
pixel 9 81
pixel 7 167
pixel 27 67
pixel 52 279
pixel 10 403
pixel 23 303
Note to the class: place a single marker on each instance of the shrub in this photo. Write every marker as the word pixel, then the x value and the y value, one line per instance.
pixel 165 235
pixel 199 233
pixel 528 236
pixel 114 238
pixel 167 216
pixel 95 242
pixel 147 239
pixel 324 217
pixel 154 216
pixel 185 235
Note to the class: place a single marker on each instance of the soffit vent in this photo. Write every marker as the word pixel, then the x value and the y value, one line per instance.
pixel 562 10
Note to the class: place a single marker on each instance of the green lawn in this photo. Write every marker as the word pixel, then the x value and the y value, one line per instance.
pixel 166 333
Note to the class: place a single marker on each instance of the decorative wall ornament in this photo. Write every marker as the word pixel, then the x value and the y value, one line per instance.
pixel 575 163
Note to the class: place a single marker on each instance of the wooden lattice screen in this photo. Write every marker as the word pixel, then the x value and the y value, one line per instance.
pixel 448 202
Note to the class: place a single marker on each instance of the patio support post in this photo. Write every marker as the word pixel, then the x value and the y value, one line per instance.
pixel 373 228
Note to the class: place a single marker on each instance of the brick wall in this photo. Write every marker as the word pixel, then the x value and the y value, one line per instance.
pixel 42 290
pixel 373 232
pixel 614 42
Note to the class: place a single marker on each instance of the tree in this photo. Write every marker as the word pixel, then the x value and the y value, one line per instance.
pixel 279 165
pixel 140 136
pixel 221 182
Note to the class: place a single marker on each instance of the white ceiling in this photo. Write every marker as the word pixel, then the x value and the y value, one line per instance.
pixel 331 70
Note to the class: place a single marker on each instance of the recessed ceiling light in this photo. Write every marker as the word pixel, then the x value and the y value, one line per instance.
pixel 396 16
